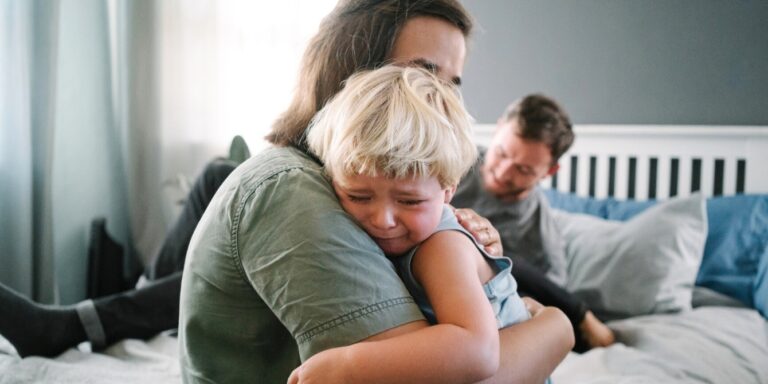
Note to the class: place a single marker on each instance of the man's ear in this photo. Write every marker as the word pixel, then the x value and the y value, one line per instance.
pixel 449 192
pixel 553 169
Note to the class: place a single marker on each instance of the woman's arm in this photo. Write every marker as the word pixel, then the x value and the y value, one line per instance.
pixel 457 349
pixel 530 351
pixel 463 347
pixel 538 345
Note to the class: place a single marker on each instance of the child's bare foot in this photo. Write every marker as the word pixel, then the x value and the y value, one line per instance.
pixel 595 332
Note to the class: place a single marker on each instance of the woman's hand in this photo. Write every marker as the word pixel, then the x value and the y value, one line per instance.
pixel 533 306
pixel 324 367
pixel 481 229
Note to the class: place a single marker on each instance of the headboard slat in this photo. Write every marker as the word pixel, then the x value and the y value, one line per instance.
pixel 741 176
pixel 674 176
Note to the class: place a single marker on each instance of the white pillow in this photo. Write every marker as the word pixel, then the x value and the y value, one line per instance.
pixel 642 266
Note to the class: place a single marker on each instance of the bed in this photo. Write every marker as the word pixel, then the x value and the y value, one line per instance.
pixel 667 233
pixel 667 239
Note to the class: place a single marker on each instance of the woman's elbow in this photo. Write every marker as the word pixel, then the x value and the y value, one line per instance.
pixel 566 328
pixel 489 366
pixel 485 358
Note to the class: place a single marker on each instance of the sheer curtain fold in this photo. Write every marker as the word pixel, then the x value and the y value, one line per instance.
pixel 108 108
pixel 43 81
pixel 56 156
pixel 27 81
pixel 226 68
pixel 15 146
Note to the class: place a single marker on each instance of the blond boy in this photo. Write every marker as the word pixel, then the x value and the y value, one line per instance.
pixel 395 142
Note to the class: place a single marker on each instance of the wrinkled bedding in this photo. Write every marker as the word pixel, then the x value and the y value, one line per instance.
pixel 129 361
pixel 704 345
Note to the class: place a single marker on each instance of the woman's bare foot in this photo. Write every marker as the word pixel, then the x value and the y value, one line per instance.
pixel 595 332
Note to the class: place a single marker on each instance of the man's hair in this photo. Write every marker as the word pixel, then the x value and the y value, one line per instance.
pixel 356 35
pixel 540 118
pixel 396 122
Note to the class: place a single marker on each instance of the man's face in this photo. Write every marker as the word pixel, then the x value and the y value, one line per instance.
pixel 513 166
pixel 432 43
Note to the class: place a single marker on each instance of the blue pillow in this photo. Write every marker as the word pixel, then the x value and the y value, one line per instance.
pixel 736 253
pixel 735 260
pixel 608 208
pixel 575 204
pixel 761 284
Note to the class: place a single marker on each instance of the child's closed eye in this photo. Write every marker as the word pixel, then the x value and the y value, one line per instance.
pixel 358 198
pixel 411 202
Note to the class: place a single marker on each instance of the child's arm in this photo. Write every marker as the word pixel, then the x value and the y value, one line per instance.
pixel 463 347
pixel 448 267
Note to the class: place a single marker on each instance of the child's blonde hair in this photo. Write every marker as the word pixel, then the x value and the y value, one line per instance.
pixel 398 122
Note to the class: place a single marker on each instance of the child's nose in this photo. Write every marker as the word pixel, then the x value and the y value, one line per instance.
pixel 384 218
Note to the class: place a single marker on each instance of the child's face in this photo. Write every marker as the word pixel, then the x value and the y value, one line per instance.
pixel 397 213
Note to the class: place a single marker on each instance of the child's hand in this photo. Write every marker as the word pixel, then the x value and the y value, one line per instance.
pixel 324 367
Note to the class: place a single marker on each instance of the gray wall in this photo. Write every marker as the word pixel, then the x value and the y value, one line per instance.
pixel 622 61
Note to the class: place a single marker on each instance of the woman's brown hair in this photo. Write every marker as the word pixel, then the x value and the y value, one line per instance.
pixel 356 35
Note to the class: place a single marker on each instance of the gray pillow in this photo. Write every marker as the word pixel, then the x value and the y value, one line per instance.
pixel 642 266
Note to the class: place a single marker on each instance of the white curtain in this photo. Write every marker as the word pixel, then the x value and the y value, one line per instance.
pixel 222 68
pixel 16 153
pixel 228 68
pixel 110 108
pixel 58 164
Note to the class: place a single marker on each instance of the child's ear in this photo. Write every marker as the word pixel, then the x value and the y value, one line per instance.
pixel 449 192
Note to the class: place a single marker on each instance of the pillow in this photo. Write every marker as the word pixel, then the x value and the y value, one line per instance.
pixel 736 254
pixel 735 261
pixel 606 208
pixel 761 283
pixel 642 266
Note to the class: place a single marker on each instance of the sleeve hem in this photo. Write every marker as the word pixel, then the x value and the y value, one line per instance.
pixel 359 324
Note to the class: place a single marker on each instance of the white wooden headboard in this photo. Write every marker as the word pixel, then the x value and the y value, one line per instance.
pixel 651 161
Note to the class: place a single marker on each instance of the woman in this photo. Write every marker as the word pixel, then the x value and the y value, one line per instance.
pixel 265 285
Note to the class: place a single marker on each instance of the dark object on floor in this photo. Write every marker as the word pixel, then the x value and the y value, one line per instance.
pixel 105 262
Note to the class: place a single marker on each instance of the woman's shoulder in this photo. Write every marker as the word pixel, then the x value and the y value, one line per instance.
pixel 285 193
pixel 276 180
pixel 274 161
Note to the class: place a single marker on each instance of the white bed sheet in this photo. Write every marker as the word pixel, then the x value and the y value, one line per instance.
pixel 129 361
pixel 705 345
